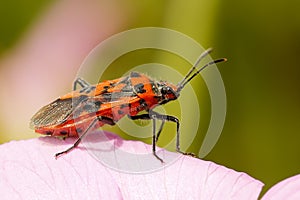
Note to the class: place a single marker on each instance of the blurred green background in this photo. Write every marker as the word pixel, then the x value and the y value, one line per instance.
pixel 261 40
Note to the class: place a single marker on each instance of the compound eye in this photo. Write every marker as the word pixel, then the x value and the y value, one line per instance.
pixel 169 90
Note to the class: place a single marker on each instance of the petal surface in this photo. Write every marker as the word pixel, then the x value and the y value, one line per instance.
pixel 29 170
pixel 288 189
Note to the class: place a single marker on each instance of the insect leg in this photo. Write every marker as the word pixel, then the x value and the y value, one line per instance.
pixel 81 82
pixel 143 116
pixel 77 141
pixel 160 129
pixel 154 141
pixel 172 119
pixel 154 136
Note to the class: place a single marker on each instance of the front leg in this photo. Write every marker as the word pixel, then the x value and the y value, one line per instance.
pixel 172 119
pixel 154 136
pixel 176 120
pixel 154 115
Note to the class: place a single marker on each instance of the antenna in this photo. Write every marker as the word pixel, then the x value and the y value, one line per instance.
pixel 188 78
pixel 205 53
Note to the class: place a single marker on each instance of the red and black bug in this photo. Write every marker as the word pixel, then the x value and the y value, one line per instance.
pixel 93 106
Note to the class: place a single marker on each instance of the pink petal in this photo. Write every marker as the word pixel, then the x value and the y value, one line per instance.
pixel 287 189
pixel 28 170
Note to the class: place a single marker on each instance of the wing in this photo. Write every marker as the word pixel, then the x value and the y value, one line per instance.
pixel 52 113
pixel 55 113
pixel 60 110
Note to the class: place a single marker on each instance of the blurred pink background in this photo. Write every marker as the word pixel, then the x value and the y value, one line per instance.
pixel 44 62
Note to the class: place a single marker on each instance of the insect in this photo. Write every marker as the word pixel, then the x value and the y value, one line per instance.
pixel 92 106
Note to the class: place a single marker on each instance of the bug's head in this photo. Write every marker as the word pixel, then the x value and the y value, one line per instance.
pixel 168 91
pixel 191 74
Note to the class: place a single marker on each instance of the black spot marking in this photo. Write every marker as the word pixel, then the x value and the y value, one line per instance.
pixel 143 103
pixel 135 74
pixel 63 132
pixel 120 112
pixel 139 88
pixel 98 104
pixel 106 87
pixel 48 132
pixel 112 84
